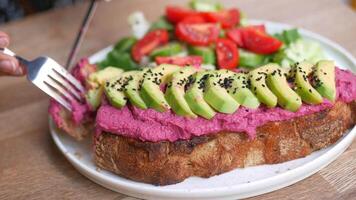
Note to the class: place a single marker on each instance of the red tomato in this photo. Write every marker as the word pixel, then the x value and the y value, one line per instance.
pixel 176 14
pixel 227 54
pixel 235 35
pixel 227 18
pixel 260 27
pixel 197 34
pixel 181 61
pixel 259 42
pixel 148 43
pixel 193 19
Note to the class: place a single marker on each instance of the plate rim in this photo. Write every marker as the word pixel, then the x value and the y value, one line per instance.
pixel 244 189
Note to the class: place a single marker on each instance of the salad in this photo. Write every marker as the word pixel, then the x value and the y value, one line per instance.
pixel 208 35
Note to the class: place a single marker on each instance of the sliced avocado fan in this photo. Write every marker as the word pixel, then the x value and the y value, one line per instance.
pixel 176 90
pixel 132 89
pixel 302 86
pixel 98 78
pixel 153 80
pixel 216 95
pixel 259 86
pixel 96 81
pixel 324 79
pixel 114 89
pixel 240 91
pixel 190 92
pixel 287 98
pixel 195 96
pixel 270 85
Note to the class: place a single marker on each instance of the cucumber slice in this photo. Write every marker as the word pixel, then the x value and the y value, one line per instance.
pixel 205 5
pixel 206 53
pixel 167 50
pixel 298 51
pixel 125 44
pixel 251 60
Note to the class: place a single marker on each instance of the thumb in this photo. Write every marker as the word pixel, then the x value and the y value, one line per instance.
pixel 10 66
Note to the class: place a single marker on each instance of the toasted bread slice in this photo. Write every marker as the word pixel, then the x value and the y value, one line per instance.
pixel 162 163
pixel 64 121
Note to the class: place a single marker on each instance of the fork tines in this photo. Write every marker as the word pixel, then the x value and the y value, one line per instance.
pixel 61 85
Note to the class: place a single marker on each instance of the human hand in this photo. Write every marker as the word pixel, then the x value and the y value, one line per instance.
pixel 9 66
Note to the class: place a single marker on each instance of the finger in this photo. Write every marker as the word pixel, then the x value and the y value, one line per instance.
pixel 10 66
pixel 4 40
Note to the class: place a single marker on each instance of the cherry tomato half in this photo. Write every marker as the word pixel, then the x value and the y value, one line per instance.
pixel 260 42
pixel 260 27
pixel 234 34
pixel 227 18
pixel 193 19
pixel 197 34
pixel 176 14
pixel 227 54
pixel 148 43
pixel 181 61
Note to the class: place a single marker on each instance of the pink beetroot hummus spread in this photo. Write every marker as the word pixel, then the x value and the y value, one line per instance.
pixel 150 125
pixel 81 111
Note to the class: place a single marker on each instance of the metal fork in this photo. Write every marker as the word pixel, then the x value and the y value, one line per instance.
pixel 52 78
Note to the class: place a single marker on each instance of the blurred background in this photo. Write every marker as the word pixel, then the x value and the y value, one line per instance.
pixel 15 9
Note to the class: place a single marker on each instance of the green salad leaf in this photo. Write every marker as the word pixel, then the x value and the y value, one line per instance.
pixel 162 23
pixel 288 36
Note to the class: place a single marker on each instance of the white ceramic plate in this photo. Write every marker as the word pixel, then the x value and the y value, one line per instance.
pixel 239 183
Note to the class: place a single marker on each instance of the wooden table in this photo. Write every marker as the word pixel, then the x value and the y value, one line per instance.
pixel 31 166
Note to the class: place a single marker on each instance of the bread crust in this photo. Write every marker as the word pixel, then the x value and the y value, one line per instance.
pixel 162 163
pixel 77 131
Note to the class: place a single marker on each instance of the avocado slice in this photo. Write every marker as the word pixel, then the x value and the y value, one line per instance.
pixel 259 87
pixel 324 79
pixel 287 98
pixel 240 91
pixel 216 94
pixel 153 79
pixel 98 78
pixel 132 89
pixel 195 96
pixel 93 97
pixel 114 89
pixel 302 86
pixel 176 89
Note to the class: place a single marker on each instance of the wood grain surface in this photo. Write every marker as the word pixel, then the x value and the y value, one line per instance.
pixel 31 166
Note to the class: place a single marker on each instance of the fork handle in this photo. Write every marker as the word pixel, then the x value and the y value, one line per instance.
pixel 11 53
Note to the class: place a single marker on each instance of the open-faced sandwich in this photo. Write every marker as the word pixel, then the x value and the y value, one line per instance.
pixel 215 95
